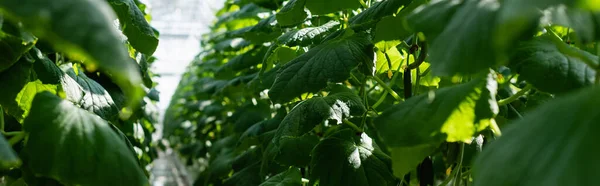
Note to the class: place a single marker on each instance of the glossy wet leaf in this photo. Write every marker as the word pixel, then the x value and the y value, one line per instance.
pixel 550 68
pixel 291 177
pixel 56 127
pixel 345 158
pixel 292 13
pixel 450 114
pixel 139 33
pixel 553 145
pixel 84 30
pixel 307 36
pixel 329 62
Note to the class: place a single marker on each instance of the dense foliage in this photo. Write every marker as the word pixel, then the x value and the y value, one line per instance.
pixel 77 96
pixel 409 92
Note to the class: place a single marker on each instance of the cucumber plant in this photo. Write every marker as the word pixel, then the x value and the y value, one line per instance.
pixel 77 99
pixel 392 92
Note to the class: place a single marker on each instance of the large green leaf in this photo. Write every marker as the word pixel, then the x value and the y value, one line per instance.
pixel 432 18
pixel 78 88
pixel 463 46
pixel 12 48
pixel 139 33
pixel 329 62
pixel 338 105
pixel 350 160
pixel 291 136
pixel 320 7
pixel 88 94
pixel 291 177
pixel 553 145
pixel 449 114
pixel 552 66
pixel 83 29
pixel 292 13
pixel 56 127
pixel 307 36
pixel 8 157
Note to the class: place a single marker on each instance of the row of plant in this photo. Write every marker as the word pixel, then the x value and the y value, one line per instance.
pixel 76 92
pixel 393 92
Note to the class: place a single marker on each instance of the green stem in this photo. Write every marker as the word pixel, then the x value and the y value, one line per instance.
pixel 352 125
pixel 381 99
pixel 17 138
pixel 1 119
pixel 387 88
pixel 456 169
pixel 12 133
pixel 515 96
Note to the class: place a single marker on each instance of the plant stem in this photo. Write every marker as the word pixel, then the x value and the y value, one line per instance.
pixel 381 99
pixel 17 138
pixel 12 133
pixel 387 88
pixel 456 169
pixel 515 96
pixel 352 125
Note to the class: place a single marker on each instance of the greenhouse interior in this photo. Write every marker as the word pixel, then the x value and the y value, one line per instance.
pixel 299 92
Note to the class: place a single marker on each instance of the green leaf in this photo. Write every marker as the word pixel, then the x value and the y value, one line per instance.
pixel 78 88
pixel 554 145
pixel 307 36
pixel 263 31
pixel 84 30
pixel 244 17
pixel 56 127
pixel 432 18
pixel 12 48
pixel 139 33
pixel 341 103
pixel 585 23
pixel 292 13
pixel 463 46
pixel 377 11
pixel 8 157
pixel 88 94
pixel 18 75
pixel 291 177
pixel 450 114
pixel 406 159
pixel 550 68
pixel 347 159
pixel 249 176
pixel 328 62
pixel 396 60
pixel 295 151
pixel 320 7
pixel 27 94
pixel 242 62
pixel 392 30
